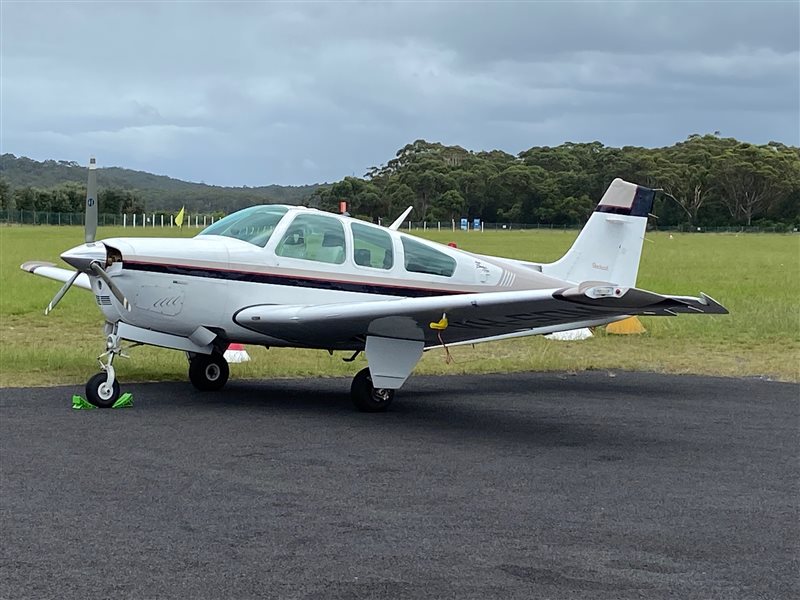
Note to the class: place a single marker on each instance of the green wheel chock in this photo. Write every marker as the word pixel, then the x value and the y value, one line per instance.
pixel 79 403
pixel 124 401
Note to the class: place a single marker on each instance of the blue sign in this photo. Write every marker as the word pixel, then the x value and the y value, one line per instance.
pixel 464 224
pixel 90 201
pixel 476 224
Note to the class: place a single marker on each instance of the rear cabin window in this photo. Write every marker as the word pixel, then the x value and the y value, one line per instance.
pixel 421 258
pixel 314 237
pixel 372 247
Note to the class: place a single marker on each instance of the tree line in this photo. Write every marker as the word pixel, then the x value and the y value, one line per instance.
pixel 707 180
pixel 68 197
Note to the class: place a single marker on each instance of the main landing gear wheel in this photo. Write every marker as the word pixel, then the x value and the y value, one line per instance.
pixel 366 397
pixel 208 372
pixel 99 393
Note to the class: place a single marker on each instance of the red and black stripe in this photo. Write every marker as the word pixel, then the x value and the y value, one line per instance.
pixel 294 280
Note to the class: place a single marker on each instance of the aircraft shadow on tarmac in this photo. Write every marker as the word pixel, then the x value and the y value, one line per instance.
pixel 501 411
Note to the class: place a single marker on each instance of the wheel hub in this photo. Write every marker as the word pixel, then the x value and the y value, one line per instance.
pixel 381 394
pixel 212 372
pixel 105 391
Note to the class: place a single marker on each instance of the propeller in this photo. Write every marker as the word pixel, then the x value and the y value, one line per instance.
pixel 90 222
pixel 61 293
pixel 90 257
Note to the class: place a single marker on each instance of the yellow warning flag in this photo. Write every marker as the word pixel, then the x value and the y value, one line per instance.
pixel 628 326
pixel 179 217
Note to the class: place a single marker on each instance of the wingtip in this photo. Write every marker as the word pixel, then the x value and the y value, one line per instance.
pixel 31 265
pixel 713 306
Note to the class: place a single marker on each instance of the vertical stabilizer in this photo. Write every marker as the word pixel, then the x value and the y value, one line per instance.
pixel 609 246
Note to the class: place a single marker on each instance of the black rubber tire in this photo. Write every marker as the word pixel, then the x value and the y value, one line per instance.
pixel 98 394
pixel 208 372
pixel 366 397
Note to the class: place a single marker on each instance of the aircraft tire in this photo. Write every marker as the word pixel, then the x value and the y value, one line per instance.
pixel 366 397
pixel 208 372
pixel 99 394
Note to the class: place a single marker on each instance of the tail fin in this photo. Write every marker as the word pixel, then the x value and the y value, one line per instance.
pixel 609 246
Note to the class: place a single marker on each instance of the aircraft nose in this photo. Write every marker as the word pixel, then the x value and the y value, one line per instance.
pixel 84 255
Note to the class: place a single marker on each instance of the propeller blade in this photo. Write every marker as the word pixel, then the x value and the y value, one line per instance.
pixel 61 293
pixel 98 270
pixel 90 223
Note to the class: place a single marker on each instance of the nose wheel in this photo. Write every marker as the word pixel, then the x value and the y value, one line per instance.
pixel 100 393
pixel 366 396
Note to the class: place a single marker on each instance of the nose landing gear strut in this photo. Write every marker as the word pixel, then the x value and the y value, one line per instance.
pixel 102 389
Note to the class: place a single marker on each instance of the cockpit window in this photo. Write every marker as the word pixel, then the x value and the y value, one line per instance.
pixel 421 258
pixel 254 224
pixel 313 237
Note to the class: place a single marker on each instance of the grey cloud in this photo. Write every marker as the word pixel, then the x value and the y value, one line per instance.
pixel 256 93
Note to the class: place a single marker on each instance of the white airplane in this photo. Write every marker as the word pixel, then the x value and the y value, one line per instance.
pixel 288 276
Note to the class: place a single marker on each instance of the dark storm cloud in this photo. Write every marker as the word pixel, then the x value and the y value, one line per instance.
pixel 257 93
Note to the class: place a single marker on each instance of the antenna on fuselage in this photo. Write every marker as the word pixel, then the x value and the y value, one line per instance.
pixel 399 221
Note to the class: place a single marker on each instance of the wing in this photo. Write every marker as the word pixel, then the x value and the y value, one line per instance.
pixel 470 317
pixel 49 270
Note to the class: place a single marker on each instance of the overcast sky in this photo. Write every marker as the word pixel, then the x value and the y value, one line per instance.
pixel 254 93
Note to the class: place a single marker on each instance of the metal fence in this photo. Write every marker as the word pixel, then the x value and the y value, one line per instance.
pixel 450 226
pixel 34 217
pixel 157 219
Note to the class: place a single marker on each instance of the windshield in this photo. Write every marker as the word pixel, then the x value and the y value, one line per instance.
pixel 254 224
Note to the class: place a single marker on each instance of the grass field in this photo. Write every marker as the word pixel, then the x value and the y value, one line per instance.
pixel 757 277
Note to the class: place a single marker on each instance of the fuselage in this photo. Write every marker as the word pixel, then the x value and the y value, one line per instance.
pixel 175 285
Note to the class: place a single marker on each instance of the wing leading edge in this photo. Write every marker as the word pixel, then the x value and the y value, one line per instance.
pixel 470 317
pixel 49 270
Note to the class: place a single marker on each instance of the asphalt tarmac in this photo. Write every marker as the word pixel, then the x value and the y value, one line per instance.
pixel 596 485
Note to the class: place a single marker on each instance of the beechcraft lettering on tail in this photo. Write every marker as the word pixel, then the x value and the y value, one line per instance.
pixel 288 276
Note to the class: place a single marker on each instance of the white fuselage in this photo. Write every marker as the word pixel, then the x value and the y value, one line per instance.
pixel 175 285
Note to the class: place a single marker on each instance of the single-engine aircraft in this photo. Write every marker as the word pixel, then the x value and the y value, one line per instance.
pixel 289 276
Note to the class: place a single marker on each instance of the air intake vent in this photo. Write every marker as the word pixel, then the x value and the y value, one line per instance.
pixel 103 300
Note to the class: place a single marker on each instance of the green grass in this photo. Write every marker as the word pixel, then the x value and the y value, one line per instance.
pixel 756 276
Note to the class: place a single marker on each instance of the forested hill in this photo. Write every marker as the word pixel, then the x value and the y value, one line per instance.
pixel 155 192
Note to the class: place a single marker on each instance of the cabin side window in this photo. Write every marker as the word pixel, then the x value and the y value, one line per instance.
pixel 372 247
pixel 421 258
pixel 313 237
